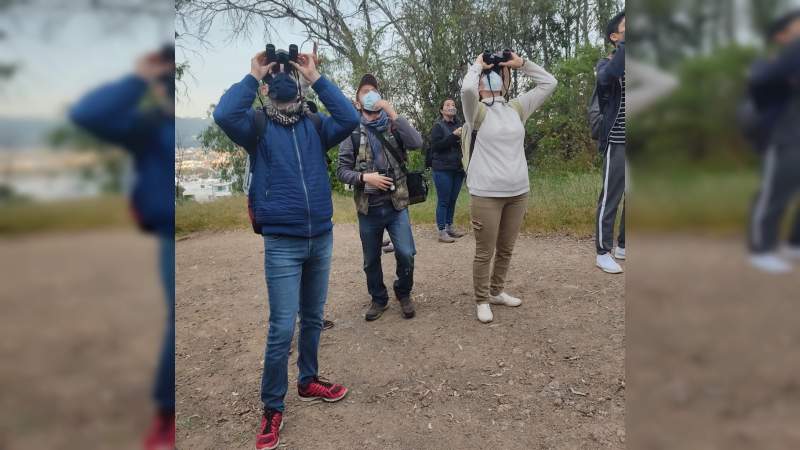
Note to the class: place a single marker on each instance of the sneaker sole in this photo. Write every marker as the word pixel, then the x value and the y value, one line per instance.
pixel 621 258
pixel 409 316
pixel 278 442
pixel 609 271
pixel 324 399
pixel 505 304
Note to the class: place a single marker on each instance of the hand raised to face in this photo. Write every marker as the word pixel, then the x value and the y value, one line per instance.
pixel 307 67
pixel 259 67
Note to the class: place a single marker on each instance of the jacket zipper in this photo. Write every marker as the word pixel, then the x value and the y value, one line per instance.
pixel 616 116
pixel 302 179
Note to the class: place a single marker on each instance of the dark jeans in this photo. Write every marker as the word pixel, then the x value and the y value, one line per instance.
pixel 297 271
pixel 371 226
pixel 448 186
pixel 164 387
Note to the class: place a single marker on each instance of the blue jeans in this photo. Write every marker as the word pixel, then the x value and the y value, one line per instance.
pixel 297 271
pixel 164 387
pixel 448 186
pixel 371 227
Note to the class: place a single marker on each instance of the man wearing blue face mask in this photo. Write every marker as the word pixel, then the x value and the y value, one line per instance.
pixel 371 162
pixel 290 198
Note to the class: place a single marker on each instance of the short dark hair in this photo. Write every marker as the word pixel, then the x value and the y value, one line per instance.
pixel 367 80
pixel 613 26
pixel 781 23
pixel 441 104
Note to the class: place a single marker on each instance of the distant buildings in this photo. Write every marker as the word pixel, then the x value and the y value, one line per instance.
pixel 196 171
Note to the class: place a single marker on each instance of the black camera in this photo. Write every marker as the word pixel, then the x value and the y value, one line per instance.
pixel 282 57
pixel 496 58
pixel 389 173
pixel 372 190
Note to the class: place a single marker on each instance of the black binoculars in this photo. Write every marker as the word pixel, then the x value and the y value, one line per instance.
pixel 496 58
pixel 282 57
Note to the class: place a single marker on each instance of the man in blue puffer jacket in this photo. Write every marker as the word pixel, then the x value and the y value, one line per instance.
pixel 114 113
pixel 291 200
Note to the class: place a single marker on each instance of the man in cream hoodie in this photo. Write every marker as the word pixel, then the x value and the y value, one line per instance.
pixel 497 171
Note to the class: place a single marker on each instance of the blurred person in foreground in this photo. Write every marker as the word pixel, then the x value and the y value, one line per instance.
pixel 137 113
pixel 291 202
pixel 774 87
pixel 611 94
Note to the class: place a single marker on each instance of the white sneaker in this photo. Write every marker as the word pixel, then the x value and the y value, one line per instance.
pixel 485 313
pixel 619 253
pixel 607 264
pixel 770 263
pixel 504 299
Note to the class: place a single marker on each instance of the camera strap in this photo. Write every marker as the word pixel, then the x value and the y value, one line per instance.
pixel 394 152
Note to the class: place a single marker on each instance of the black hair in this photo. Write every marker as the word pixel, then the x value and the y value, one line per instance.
pixel 441 104
pixel 781 23
pixel 613 26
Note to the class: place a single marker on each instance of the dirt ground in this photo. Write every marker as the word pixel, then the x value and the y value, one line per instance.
pixel 712 348
pixel 81 326
pixel 546 375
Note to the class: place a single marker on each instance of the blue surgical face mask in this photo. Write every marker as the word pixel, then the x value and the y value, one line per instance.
pixel 369 100
pixel 283 88
pixel 492 82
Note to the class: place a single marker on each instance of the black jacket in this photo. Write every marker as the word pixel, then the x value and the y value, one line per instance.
pixel 446 146
pixel 775 87
pixel 609 91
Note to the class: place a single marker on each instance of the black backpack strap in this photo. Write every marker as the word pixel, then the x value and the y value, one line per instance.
pixel 355 139
pixel 472 143
pixel 260 122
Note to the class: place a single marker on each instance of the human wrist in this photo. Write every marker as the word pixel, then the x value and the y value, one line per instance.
pixel 313 77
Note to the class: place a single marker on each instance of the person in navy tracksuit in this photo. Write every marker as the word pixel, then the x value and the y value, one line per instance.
pixel 290 196
pixel 611 95
pixel 114 113
pixel 774 86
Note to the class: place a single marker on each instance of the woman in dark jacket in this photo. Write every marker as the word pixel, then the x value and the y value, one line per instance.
pixel 448 172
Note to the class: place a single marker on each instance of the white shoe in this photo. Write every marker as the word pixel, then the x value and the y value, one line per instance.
pixel 619 253
pixel 792 252
pixel 607 264
pixel 770 263
pixel 504 299
pixel 485 313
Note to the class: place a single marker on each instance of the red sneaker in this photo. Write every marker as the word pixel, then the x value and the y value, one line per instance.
pixel 270 435
pixel 316 388
pixel 162 433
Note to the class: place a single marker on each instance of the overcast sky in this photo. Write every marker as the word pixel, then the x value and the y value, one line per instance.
pixel 221 62
pixel 62 52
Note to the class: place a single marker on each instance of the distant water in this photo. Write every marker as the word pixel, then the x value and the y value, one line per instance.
pixel 59 186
